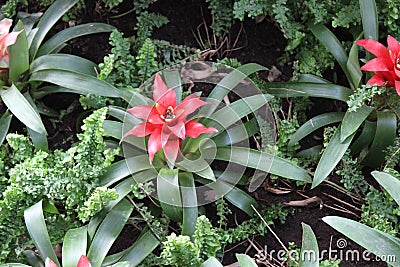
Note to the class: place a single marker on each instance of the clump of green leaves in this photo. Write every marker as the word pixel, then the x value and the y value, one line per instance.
pixel 179 251
pixel 381 211
pixel 363 95
pixel 68 179
pixel 352 178
pixel 146 23
pixel 97 201
pixel 222 16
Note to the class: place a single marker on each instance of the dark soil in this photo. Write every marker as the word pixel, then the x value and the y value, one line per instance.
pixel 262 43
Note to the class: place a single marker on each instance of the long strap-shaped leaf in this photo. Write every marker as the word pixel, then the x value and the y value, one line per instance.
pixel 74 246
pixel 329 40
pixel 262 161
pixel 5 122
pixel 314 124
pixel 145 245
pixel 353 120
pixel 70 33
pixel 108 232
pixel 369 16
pixel 373 240
pixel 173 80
pixel 50 17
pixel 390 183
pixel 309 248
pixel 227 84
pixel 365 138
pixel 331 157
pixel 19 54
pixel 228 115
pixel 77 82
pixel 189 203
pixel 385 134
pixel 36 225
pixel 211 262
pixel 121 169
pixel 301 89
pixel 63 62
pixel 169 194
pixel 122 189
pixel 22 109
pixel 234 195
pixel 236 134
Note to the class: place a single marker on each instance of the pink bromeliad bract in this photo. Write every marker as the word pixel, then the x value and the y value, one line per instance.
pixel 83 262
pixel 166 122
pixel 6 39
pixel 386 65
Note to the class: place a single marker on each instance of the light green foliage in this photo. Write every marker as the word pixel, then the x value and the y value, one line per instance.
pixel 170 54
pixel 285 131
pixel 222 212
pixel 390 9
pixel 392 154
pixel 313 57
pixel 146 60
pixel 328 134
pixel 330 263
pixel 377 221
pixel 363 95
pixel 253 226
pixel 347 16
pixel 158 226
pixel 97 200
pixel 68 178
pixel 221 10
pixel 251 9
pixel 381 203
pixel 146 23
pixel 73 14
pixel 112 3
pixel 179 251
pixel 352 178
pixel 8 10
pixel 141 5
pixel 292 17
pixel 206 238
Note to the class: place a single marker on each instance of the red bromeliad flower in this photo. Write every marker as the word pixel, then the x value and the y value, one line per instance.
pixel 83 262
pixel 6 39
pixel 166 122
pixel 386 65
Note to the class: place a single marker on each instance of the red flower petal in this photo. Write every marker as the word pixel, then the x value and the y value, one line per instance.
pixel 148 113
pixel 378 64
pixel 377 79
pixel 177 127
pixel 168 99
pixel 142 129
pixel 8 40
pixel 397 86
pixel 394 47
pixel 160 88
pixel 194 129
pixel 187 107
pixel 49 263
pixel 84 262
pixel 154 143
pixel 171 149
pixel 374 47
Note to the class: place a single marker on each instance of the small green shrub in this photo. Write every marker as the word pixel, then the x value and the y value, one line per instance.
pixel 68 179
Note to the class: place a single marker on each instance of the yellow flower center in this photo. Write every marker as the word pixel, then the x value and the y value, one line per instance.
pixel 169 114
pixel 398 63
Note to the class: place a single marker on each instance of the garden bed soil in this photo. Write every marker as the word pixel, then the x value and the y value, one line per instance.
pixel 261 43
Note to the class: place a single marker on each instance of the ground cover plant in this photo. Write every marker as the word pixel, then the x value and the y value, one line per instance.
pixel 180 161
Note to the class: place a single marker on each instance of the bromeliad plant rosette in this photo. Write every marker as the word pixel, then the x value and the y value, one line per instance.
pixel 193 134
pixel 31 63
pixel 166 122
